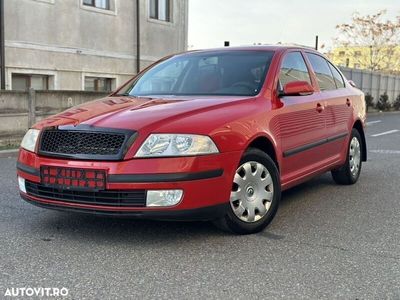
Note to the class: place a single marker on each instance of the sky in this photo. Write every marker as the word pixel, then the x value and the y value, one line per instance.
pixel 245 22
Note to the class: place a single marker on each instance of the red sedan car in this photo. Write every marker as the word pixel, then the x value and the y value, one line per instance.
pixel 206 135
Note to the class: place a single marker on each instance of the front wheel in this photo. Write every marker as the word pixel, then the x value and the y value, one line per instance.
pixel 254 196
pixel 350 171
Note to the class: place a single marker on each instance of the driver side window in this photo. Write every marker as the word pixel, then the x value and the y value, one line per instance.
pixel 165 80
pixel 293 68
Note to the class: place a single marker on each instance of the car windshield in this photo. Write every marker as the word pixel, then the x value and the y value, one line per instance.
pixel 224 73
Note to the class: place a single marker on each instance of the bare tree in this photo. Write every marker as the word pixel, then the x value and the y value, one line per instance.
pixel 380 37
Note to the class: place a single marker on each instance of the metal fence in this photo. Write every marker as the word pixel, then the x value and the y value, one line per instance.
pixel 374 83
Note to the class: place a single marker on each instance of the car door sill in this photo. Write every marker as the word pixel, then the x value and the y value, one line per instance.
pixel 298 179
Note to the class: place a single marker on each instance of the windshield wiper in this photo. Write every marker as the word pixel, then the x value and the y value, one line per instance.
pixel 127 95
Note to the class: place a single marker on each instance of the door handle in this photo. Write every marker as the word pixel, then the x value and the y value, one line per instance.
pixel 320 108
pixel 348 102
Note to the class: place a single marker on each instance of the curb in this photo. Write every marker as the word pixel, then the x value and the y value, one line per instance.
pixel 381 113
pixel 9 153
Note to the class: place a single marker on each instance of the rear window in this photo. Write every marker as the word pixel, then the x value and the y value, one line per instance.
pixel 236 73
pixel 322 71
pixel 336 76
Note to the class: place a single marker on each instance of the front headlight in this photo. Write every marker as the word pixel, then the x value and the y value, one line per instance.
pixel 164 145
pixel 30 139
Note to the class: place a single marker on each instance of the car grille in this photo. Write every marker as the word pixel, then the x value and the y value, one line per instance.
pixel 112 198
pixel 83 144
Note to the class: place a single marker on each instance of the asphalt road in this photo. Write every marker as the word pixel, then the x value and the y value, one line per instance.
pixel 327 241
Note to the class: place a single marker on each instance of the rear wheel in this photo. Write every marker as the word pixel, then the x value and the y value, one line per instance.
pixel 254 196
pixel 350 171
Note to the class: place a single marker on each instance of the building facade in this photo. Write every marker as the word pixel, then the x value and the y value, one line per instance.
pixel 365 58
pixel 88 44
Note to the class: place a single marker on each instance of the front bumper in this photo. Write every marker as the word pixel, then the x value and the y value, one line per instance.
pixel 199 214
pixel 206 182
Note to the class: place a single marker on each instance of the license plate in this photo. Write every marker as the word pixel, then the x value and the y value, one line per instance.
pixel 73 178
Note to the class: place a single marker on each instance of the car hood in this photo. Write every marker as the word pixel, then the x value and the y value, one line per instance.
pixel 135 113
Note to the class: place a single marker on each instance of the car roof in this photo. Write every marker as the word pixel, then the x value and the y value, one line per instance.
pixel 276 48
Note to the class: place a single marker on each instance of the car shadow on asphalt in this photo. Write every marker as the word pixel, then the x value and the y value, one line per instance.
pixel 300 191
pixel 73 226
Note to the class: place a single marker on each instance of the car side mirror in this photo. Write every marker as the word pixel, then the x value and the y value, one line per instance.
pixel 352 83
pixel 297 88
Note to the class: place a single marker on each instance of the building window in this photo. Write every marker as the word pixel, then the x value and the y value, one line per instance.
pixel 357 66
pixel 160 10
pixel 103 4
pixel 342 53
pixel 357 53
pixel 24 82
pixel 98 84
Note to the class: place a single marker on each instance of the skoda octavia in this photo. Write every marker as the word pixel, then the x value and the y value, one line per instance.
pixel 211 135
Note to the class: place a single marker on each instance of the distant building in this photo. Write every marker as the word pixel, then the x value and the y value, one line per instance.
pixel 87 44
pixel 360 58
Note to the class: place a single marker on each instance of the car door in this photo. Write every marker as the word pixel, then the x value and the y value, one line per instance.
pixel 337 101
pixel 301 122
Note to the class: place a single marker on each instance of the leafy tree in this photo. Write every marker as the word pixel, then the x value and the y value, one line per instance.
pixel 369 100
pixel 396 103
pixel 383 103
pixel 381 37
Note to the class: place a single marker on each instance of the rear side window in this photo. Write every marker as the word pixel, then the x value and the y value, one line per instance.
pixel 322 71
pixel 293 68
pixel 336 76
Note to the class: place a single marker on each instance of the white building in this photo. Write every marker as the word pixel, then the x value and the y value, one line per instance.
pixel 88 44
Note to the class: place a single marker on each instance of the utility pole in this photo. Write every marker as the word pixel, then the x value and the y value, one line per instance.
pixel 137 36
pixel 316 42
pixel 2 48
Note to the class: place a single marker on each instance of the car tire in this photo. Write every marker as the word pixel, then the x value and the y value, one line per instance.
pixel 255 200
pixel 350 172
